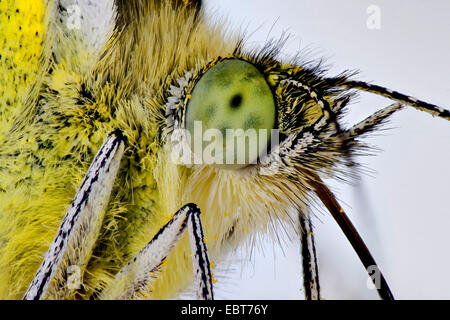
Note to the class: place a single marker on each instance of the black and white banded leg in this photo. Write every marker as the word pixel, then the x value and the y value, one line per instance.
pixel 400 97
pixel 79 229
pixel 309 259
pixel 200 260
pixel 134 278
pixel 371 122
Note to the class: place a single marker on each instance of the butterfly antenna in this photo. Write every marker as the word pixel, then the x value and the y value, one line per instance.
pixel 400 97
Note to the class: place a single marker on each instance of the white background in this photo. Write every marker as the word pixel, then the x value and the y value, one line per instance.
pixel 402 209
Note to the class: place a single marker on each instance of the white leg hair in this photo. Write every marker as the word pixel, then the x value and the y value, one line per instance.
pixel 79 229
pixel 309 259
pixel 372 121
pixel 135 277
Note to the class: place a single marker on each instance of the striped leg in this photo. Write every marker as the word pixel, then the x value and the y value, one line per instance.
pixel 309 259
pixel 371 122
pixel 133 279
pixel 74 242
pixel 200 260
pixel 400 97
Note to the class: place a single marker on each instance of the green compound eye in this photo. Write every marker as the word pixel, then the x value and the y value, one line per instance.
pixel 230 115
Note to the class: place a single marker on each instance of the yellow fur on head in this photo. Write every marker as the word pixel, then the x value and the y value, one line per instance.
pixel 75 96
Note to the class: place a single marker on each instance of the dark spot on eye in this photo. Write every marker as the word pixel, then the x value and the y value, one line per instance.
pixel 236 101
pixel 223 129
pixel 211 110
pixel 251 74
pixel 252 122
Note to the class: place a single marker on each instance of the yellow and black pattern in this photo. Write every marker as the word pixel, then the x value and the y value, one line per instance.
pixel 64 89
pixel 21 41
